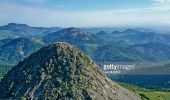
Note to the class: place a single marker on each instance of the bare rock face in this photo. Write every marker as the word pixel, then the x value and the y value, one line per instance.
pixel 60 71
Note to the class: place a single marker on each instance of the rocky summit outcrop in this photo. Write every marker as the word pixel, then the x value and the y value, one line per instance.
pixel 60 72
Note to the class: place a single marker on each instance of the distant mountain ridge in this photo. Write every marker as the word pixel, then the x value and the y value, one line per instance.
pixel 26 31
pixel 118 46
pixel 157 51
pixel 18 41
pixel 131 36
pixel 71 35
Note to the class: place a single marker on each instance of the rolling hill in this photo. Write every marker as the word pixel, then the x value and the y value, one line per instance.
pixel 71 35
pixel 17 49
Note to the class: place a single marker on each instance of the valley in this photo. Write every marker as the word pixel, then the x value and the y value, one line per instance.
pixel 149 51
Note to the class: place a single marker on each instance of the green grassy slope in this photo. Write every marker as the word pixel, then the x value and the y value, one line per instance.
pixel 147 94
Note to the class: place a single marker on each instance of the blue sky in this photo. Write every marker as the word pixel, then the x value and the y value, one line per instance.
pixel 85 13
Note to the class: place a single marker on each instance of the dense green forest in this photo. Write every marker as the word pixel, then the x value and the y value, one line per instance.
pixel 4 69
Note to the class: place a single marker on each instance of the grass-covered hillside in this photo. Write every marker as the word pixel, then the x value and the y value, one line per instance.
pixel 147 94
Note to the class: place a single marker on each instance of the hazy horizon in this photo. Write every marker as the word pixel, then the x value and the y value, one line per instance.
pixel 89 13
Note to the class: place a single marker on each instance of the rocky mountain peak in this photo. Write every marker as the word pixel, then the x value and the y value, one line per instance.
pixel 60 71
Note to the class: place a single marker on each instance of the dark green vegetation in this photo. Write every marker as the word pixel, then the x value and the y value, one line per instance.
pixel 117 46
pixel 147 94
pixel 159 70
pixel 156 78
pixel 4 69
pixel 155 82
pixel 18 41
pixel 15 50
pixel 60 71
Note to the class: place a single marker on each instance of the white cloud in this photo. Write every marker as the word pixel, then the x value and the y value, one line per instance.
pixel 46 17
pixel 34 1
pixel 145 9
pixel 162 1
pixel 23 1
